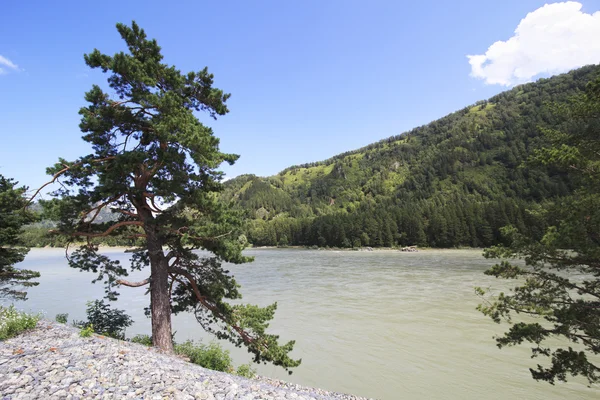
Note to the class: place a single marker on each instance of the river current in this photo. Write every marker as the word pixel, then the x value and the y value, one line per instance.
pixel 381 324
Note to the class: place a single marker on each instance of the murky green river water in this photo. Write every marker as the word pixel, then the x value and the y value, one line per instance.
pixel 388 325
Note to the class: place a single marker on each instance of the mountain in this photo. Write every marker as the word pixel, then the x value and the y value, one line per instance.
pixel 453 182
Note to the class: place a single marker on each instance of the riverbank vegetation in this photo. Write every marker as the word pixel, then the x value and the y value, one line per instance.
pixel 106 321
pixel 13 322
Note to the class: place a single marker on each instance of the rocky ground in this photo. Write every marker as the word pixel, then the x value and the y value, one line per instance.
pixel 53 362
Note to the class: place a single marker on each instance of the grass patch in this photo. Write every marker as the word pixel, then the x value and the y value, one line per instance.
pixel 395 179
pixel 299 176
pixel 482 109
pixel 13 322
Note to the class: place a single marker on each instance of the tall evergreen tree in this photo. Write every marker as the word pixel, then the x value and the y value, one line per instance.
pixel 154 165
pixel 13 216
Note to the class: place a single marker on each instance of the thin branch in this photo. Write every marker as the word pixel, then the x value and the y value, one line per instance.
pixel 109 230
pixel 59 173
pixel 171 285
pixel 131 214
pixel 133 284
pixel 98 207
pixel 157 210
pixel 118 103
pixel 182 230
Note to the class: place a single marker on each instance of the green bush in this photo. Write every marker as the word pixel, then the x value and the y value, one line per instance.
pixel 105 321
pixel 142 339
pixel 13 322
pixel 246 371
pixel 86 331
pixel 62 318
pixel 211 356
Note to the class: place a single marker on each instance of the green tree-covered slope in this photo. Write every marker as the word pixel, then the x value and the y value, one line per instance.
pixel 452 182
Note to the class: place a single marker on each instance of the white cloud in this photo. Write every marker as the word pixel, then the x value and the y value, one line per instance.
pixel 554 38
pixel 6 65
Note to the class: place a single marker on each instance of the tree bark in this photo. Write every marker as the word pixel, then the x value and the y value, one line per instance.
pixel 160 297
pixel 160 301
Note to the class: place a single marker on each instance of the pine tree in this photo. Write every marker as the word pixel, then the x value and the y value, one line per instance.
pixel 154 164
pixel 13 216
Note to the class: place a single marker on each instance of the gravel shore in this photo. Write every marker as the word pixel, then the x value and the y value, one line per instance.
pixel 53 362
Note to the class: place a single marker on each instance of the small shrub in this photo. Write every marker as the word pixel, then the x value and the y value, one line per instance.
pixel 86 331
pixel 210 356
pixel 13 322
pixel 142 339
pixel 246 371
pixel 62 318
pixel 105 321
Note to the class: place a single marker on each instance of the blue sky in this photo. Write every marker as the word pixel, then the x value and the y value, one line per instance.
pixel 309 79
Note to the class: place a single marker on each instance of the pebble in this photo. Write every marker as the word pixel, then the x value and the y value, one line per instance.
pixel 55 363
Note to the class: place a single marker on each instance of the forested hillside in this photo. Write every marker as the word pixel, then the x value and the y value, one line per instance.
pixel 453 182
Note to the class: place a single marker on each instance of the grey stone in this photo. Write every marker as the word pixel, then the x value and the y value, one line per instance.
pixel 109 369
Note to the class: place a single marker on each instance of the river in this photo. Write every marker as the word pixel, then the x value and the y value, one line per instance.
pixel 381 324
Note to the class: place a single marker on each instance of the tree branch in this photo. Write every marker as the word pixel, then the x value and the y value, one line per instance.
pixel 203 300
pixel 182 230
pixel 97 208
pixel 109 230
pixel 59 173
pixel 133 284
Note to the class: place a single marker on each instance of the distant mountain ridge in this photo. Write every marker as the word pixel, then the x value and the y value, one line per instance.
pixel 452 182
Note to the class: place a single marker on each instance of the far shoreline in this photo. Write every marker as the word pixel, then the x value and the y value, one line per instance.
pixel 363 249
pixel 357 250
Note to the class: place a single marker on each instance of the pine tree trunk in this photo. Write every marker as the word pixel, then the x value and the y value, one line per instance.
pixel 160 302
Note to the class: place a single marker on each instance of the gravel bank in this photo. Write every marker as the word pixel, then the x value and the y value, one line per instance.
pixel 53 362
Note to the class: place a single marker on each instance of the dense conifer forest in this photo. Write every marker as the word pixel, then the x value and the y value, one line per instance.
pixel 453 182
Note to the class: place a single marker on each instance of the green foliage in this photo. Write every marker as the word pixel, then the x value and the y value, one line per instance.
pixel 142 339
pixel 211 356
pixel 86 331
pixel 239 323
pixel 558 277
pixel 154 165
pixel 13 322
pixel 13 216
pixel 246 371
pixel 451 183
pixel 62 318
pixel 104 320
